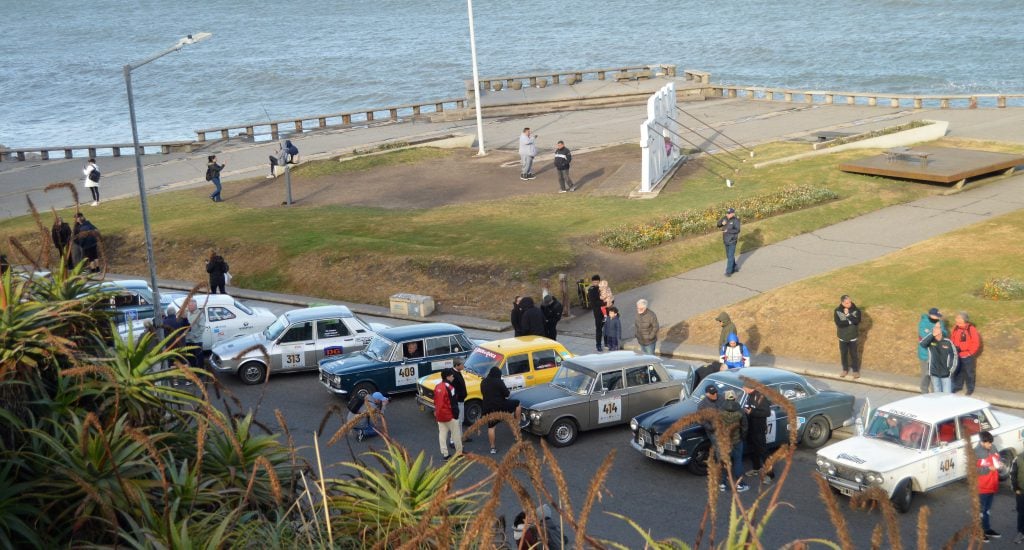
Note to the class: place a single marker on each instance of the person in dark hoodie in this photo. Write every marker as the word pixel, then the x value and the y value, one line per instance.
pixel 216 267
pixel 531 322
pixel 563 158
pixel 494 395
pixel 728 327
pixel 285 155
pixel 847 317
pixel 613 329
pixel 594 299
pixel 735 354
pixel 552 310
pixel 735 424
pixel 515 317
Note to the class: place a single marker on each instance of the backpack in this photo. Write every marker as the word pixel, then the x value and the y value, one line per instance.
pixel 209 173
pixel 355 404
pixel 94 175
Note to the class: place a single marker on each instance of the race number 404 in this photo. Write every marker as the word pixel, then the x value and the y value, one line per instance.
pixel 405 375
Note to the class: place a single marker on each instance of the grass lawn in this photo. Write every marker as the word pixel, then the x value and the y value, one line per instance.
pixel 893 292
pixel 471 255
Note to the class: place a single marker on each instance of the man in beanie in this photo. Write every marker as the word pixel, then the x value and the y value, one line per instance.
pixel 730 226
pixel 968 342
pixel 924 328
pixel 847 317
pixel 942 360
pixel 735 425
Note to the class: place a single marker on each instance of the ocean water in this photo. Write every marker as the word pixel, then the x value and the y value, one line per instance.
pixel 61 62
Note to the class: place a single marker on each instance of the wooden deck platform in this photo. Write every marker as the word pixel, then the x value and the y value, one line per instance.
pixel 934 164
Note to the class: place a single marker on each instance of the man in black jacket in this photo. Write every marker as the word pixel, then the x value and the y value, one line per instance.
pixel 594 300
pixel 758 411
pixel 563 157
pixel 460 395
pixel 61 235
pixel 847 317
pixel 730 225
pixel 552 310
pixel 532 320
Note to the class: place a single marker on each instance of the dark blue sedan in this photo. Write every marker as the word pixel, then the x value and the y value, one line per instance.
pixel 395 359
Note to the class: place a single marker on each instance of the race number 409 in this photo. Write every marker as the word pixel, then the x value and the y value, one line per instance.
pixel 405 375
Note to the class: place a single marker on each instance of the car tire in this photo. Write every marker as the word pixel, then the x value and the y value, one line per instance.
pixel 474 410
pixel 362 389
pixel 903 496
pixel 252 373
pixel 816 433
pixel 563 432
pixel 698 465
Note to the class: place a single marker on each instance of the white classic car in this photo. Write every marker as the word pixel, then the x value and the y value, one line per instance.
pixel 215 318
pixel 916 445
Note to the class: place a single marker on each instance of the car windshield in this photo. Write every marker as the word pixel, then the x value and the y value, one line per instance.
pixel 481 361
pixel 576 381
pixel 275 330
pixel 379 348
pixel 244 308
pixel 898 429
pixel 698 393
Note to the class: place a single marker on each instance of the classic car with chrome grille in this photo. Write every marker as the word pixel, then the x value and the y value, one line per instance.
pixel 819 412
pixel 916 445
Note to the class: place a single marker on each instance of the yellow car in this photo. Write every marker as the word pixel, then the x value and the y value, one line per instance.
pixel 524 361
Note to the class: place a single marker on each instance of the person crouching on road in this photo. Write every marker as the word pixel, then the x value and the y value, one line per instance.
pixel 446 412
pixel 377 401
pixel 735 354
pixel 942 360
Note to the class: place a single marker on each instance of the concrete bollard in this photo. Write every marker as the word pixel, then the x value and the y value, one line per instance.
pixel 517 85
pixel 542 83
pixel 497 86
pixel 570 80
pixel 894 103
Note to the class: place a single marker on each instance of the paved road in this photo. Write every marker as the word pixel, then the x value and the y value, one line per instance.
pixel 665 499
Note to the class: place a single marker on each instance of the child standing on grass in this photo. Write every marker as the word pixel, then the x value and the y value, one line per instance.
pixel 613 329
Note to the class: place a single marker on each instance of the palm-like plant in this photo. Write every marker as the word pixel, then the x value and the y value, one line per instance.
pixel 246 469
pixel 16 515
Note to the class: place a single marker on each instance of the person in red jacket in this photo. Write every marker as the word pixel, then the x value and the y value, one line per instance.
pixel 446 412
pixel 968 342
pixel 988 479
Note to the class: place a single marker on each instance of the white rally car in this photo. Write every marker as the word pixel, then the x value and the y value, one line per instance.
pixel 916 445
pixel 215 318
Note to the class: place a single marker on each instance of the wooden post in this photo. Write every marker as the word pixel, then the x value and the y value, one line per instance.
pixel 116 151
pixel 808 98
pixel 251 131
pixel 1001 102
pixel 829 99
pixel 563 284
pixel 872 101
pixel 45 154
pixel 322 122
pixel 346 119
pixel 439 107
pixel 460 104
pixel 21 155
pixel 787 96
pixel 944 103
pixel 554 79
pixel 298 126
pixel 202 136
pixel 415 110
pixel 600 75
pixel 369 116
pixel 92 152
pixel 273 131
pixel 394 113
pixel 894 102
pixel 732 92
pixel 68 153
pixel 917 103
pixel 533 81
pixel 851 100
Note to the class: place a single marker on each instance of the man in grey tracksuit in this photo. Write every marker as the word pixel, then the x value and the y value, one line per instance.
pixel 527 150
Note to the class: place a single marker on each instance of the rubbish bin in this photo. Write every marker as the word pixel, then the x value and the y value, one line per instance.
pixel 412 305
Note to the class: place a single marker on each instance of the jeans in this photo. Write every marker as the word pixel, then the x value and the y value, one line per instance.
pixel 648 349
pixel 564 181
pixel 613 343
pixel 450 430
pixel 95 193
pixel 942 384
pixel 848 355
pixel 216 194
pixel 965 375
pixel 730 258
pixel 926 376
pixel 736 456
pixel 986 505
pixel 599 328
pixel 527 164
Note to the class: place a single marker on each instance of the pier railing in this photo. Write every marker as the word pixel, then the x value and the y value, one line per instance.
pixel 942 101
pixel 362 117
pixel 89 151
pixel 542 80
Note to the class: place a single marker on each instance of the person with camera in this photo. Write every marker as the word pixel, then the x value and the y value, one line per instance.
pixel 730 226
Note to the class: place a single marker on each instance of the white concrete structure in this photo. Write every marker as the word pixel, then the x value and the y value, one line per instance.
pixel 659 150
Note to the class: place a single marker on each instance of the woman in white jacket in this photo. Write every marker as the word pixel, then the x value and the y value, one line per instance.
pixel 92 180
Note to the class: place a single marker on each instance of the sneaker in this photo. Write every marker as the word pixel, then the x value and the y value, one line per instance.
pixel 740 487
pixel 721 487
pixel 985 538
pixel 992 533
pixel 531 176
pixel 95 203
pixel 451 443
pixel 768 481
pixel 844 375
pixel 1019 538
pixel 359 435
pixel 446 457
pixel 523 177
pixel 856 375
pixel 561 190
pixel 572 189
pixel 270 177
pixel 753 473
pixel 494 451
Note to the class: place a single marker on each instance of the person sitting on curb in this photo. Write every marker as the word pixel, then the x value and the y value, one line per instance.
pixel 735 354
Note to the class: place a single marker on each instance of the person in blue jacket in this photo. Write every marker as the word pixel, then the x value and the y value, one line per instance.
pixel 924 328
pixel 735 354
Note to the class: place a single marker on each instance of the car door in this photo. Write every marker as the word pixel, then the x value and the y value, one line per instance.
pixel 515 371
pixel 413 362
pixel 296 348
pixel 946 460
pixel 544 364
pixel 360 335
pixel 219 325
pixel 440 355
pixel 333 337
pixel 609 400
pixel 645 393
pixel 778 421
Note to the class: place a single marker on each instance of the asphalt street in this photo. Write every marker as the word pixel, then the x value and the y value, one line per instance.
pixel 666 499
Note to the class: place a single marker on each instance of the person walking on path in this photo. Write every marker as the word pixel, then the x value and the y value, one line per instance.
pixel 942 360
pixel 459 383
pixel 1017 485
pixel 646 328
pixel 531 321
pixel 728 327
pixel 552 310
pixel 735 354
pixel 758 410
pixel 88 237
pixel 924 328
pixel 988 480
pixel 563 158
pixel 446 413
pixel 847 317
pixel 730 225
pixel 613 329
pixel 594 299
pixel 494 394
pixel 60 233
pixel 92 180
pixel 527 150
pixel 213 175
pixel 735 424
pixel 217 268
pixel 968 342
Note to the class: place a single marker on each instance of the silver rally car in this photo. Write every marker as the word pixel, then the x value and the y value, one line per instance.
pixel 295 342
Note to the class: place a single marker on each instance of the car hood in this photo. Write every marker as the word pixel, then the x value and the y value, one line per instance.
pixel 377 327
pixel 348 363
pixel 546 396
pixel 866 453
pixel 234 346
pixel 659 420
pixel 264 313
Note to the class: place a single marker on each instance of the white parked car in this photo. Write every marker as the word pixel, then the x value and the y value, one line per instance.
pixel 916 445
pixel 216 318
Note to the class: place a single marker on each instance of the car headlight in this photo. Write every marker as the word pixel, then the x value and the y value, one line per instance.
pixel 831 470
pixel 677 439
pixel 873 478
pixel 535 415
pixel 859 478
pixel 824 465
pixel 634 425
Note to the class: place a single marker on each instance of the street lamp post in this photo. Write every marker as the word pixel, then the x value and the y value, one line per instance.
pixel 158 315
pixel 476 82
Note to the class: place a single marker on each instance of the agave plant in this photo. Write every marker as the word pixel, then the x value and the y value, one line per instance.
pixel 246 469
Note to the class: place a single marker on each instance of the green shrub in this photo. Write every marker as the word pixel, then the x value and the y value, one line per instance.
pixel 641 236
pixel 1003 288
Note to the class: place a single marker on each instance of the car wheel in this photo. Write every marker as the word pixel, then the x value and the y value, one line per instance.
pixel 362 389
pixel 903 496
pixel 474 410
pixel 698 464
pixel 816 433
pixel 563 432
pixel 252 373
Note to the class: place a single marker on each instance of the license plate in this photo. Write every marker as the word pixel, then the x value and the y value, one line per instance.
pixel 650 454
pixel 846 491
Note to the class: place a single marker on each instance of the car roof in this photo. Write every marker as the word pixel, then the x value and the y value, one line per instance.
pixel 129 283
pixel 601 362
pixel 520 344
pixel 764 375
pixel 426 330
pixel 934 407
pixel 317 312
pixel 203 300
